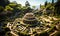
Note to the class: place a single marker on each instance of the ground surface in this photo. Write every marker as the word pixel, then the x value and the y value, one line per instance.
pixel 45 24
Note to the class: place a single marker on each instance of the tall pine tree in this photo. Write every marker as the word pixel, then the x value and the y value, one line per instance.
pixel 45 3
pixel 27 4
pixel 57 7
pixel 52 1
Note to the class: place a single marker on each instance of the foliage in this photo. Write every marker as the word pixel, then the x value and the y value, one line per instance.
pixel 8 8
pixel 27 4
pixel 57 7
pixel 1 9
pixel 4 31
pixel 4 2
pixel 42 7
pixel 12 5
pixel 50 6
pixel 52 1
pixel 45 3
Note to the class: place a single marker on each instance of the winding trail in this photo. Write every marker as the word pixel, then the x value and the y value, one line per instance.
pixel 53 33
pixel 14 34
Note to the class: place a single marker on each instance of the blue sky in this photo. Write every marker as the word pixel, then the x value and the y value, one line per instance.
pixel 32 2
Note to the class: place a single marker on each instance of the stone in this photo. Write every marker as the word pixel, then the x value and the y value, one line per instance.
pixel 29 18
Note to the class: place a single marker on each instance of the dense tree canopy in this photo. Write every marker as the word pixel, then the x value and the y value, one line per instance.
pixel 4 2
pixel 45 3
pixel 57 7
pixel 52 1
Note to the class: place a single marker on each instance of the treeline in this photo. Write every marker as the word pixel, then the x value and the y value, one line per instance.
pixel 57 7
pixel 8 9
pixel 54 6
pixel 6 5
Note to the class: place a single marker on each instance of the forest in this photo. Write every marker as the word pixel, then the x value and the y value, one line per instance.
pixel 10 11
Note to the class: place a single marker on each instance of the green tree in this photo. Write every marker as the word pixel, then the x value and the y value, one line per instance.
pixel 4 2
pixel 8 8
pixel 16 7
pixel 40 5
pixel 45 3
pixel 1 9
pixel 12 4
pixel 27 7
pixel 27 4
pixel 57 7
pixel 52 1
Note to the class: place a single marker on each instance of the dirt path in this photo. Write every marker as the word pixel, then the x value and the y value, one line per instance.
pixel 14 33
pixel 53 33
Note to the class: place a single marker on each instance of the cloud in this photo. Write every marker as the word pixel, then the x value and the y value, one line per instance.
pixel 32 2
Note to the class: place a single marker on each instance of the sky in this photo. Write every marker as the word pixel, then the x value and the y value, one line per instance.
pixel 32 2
